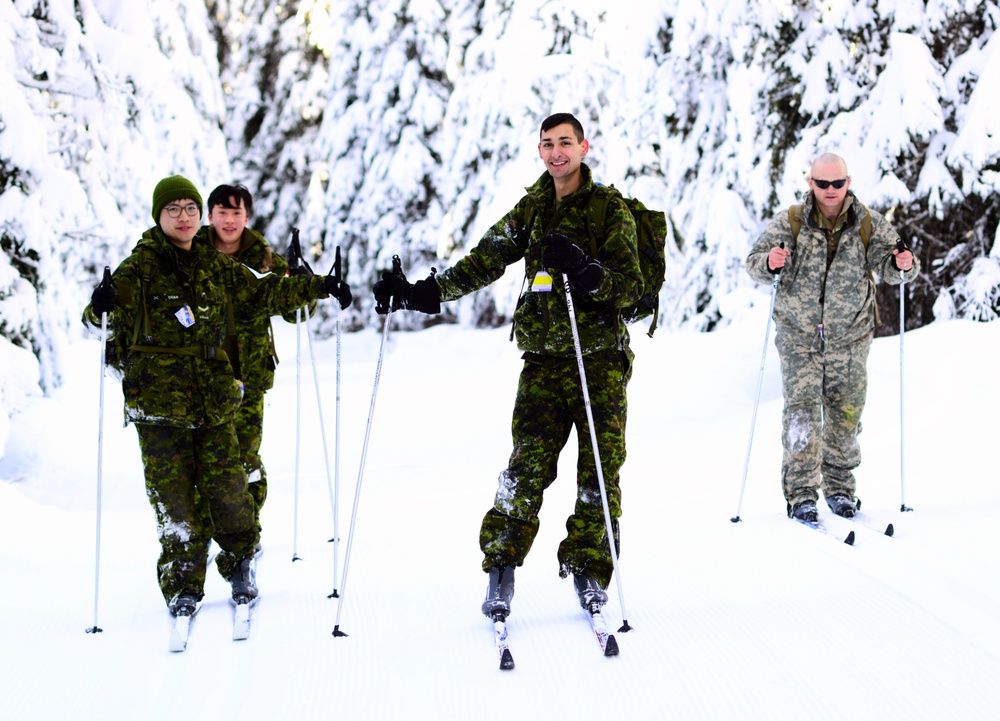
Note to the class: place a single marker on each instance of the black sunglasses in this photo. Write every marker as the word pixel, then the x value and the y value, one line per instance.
pixel 824 184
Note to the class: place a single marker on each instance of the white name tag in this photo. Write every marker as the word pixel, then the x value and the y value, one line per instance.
pixel 185 316
pixel 542 282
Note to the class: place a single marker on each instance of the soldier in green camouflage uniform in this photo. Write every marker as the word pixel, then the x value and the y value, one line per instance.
pixel 172 306
pixel 229 210
pixel 824 315
pixel 546 229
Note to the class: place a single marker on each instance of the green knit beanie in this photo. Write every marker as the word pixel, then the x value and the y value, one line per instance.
pixel 174 188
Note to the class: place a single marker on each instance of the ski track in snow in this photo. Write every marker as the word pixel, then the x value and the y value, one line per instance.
pixel 756 620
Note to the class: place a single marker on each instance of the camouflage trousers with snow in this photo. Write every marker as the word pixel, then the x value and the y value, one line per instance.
pixel 824 391
pixel 249 422
pixel 549 404
pixel 196 486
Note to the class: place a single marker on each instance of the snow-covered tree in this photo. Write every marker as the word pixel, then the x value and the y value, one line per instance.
pixel 101 99
pixel 760 89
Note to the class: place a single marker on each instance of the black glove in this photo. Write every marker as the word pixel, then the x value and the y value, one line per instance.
pixel 426 296
pixel 105 296
pixel 299 268
pixel 560 253
pixel 394 287
pixel 338 289
pixel 296 264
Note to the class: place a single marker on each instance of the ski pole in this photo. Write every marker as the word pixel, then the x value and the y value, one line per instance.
pixel 105 283
pixel 294 260
pixel 397 268
pixel 319 408
pixel 756 400
pixel 597 454
pixel 298 431
pixel 336 441
pixel 903 508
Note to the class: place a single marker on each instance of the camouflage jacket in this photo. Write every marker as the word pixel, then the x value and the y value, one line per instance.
pixel 174 372
pixel 255 337
pixel 541 320
pixel 848 311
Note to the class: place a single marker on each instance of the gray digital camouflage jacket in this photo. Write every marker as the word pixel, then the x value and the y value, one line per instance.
pixel 848 312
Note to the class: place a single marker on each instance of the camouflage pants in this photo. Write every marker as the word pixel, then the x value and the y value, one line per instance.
pixel 549 404
pixel 249 422
pixel 824 393
pixel 188 470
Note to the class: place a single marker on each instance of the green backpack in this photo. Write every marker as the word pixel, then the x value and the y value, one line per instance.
pixel 651 232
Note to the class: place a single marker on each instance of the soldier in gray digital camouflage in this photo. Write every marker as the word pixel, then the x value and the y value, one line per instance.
pixel 826 252
pixel 548 230
pixel 229 210
pixel 172 308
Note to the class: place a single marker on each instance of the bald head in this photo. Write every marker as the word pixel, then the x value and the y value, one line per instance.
pixel 831 162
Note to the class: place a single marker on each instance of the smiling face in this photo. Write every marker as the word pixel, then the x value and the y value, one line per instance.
pixel 181 230
pixel 562 152
pixel 229 224
pixel 829 200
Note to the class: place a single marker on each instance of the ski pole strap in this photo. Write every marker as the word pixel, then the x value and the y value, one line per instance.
pixel 208 352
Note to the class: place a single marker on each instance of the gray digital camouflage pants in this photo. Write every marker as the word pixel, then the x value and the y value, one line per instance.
pixel 824 392
pixel 188 470
pixel 549 404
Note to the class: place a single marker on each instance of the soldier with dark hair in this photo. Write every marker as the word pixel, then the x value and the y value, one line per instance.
pixel 824 315
pixel 548 230
pixel 229 210
pixel 173 304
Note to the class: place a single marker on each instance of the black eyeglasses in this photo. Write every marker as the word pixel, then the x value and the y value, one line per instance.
pixel 824 184
pixel 174 211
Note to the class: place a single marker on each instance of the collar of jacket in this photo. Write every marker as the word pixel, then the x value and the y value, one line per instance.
pixel 543 191
pixel 851 204
pixel 155 240
pixel 249 238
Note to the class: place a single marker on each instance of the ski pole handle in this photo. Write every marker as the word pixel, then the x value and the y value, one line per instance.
pixel 294 251
pixel 336 266
pixel 777 275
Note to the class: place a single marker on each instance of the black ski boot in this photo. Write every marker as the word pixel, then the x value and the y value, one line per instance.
pixel 499 593
pixel 244 581
pixel 184 604
pixel 591 594
pixel 842 505
pixel 804 511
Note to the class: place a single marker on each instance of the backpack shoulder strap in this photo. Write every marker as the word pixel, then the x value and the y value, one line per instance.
pixel 795 220
pixel 597 212
pixel 866 226
pixel 145 278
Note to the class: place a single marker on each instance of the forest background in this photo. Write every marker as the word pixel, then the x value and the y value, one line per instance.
pixel 408 127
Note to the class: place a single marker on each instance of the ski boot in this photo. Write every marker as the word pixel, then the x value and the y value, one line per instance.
pixel 842 505
pixel 591 594
pixel 184 604
pixel 244 581
pixel 805 511
pixel 499 593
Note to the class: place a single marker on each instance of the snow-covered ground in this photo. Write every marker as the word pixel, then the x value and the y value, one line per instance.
pixel 763 619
